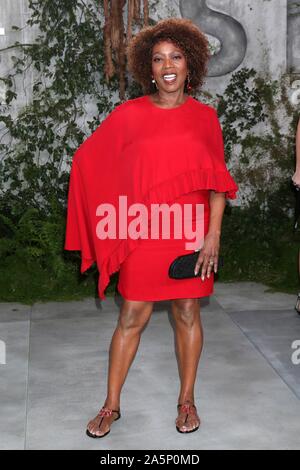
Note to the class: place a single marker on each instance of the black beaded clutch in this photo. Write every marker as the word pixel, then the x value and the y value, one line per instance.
pixel 183 266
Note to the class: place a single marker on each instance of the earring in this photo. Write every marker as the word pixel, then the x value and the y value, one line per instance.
pixel 154 81
pixel 189 86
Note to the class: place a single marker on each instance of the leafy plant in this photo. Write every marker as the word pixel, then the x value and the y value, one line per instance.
pixel 68 100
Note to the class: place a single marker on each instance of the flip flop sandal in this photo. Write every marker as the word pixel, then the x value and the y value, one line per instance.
pixel 186 409
pixel 104 412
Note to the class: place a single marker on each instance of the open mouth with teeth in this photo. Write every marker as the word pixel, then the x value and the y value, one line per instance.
pixel 170 78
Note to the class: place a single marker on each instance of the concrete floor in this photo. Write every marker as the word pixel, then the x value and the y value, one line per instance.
pixel 247 391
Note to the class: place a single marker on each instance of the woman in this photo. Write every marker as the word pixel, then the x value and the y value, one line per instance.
pixel 296 182
pixel 162 147
pixel 296 175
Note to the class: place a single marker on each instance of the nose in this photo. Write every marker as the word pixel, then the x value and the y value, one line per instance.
pixel 168 62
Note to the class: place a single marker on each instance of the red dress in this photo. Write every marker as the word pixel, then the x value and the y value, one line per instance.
pixel 148 155
pixel 144 273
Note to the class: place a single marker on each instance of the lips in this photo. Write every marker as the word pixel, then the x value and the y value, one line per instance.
pixel 169 78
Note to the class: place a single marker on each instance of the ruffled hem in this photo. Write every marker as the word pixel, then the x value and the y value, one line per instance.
pixel 193 180
pixel 220 181
pixel 86 263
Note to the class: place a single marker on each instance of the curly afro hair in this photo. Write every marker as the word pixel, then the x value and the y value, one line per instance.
pixel 182 32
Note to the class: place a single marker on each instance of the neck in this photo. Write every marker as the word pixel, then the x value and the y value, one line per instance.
pixel 170 99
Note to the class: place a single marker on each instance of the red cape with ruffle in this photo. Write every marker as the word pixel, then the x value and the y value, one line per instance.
pixel 148 154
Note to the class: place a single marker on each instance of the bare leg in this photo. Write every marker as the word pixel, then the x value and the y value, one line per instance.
pixel 189 343
pixel 134 316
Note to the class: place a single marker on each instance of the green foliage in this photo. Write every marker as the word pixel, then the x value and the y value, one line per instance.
pixel 38 143
pixel 262 157
pixel 34 265
pixel 241 107
pixel 260 247
pixel 67 63
pixel 258 240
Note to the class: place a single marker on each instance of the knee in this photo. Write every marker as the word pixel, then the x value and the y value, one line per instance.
pixel 186 311
pixel 134 317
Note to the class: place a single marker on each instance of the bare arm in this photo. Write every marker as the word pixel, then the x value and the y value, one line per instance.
pixel 217 205
pixel 210 249
pixel 296 176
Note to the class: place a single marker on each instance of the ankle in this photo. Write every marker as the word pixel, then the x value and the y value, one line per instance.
pixel 186 399
pixel 112 404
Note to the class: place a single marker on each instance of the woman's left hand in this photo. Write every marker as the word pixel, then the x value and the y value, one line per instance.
pixel 209 255
pixel 296 179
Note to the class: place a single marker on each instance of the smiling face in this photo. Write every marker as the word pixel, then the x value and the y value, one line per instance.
pixel 169 66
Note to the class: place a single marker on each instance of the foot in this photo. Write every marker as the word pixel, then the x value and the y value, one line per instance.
pixel 100 425
pixel 188 419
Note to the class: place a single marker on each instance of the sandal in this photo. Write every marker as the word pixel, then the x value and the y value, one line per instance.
pixel 102 413
pixel 187 408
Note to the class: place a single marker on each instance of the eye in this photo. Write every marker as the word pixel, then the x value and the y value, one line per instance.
pixel 156 58
pixel 177 56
